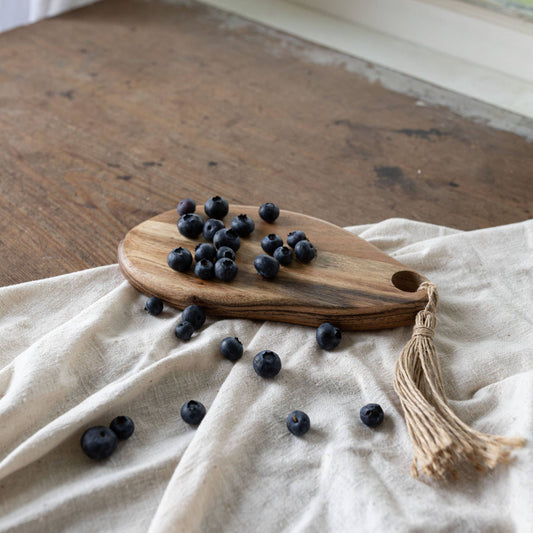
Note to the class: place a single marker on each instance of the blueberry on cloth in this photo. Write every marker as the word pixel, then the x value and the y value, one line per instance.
pixel 179 259
pixel 226 269
pixel 267 364
pixel 122 426
pixel 294 237
pixel 211 226
pixel 99 442
pixel 186 206
pixel 231 348
pixel 225 251
pixel 304 251
pixel 269 212
pixel 270 242
pixel 154 305
pixel 243 225
pixel 283 255
pixel 204 269
pixel 205 250
pixel 193 412
pixel 371 415
pixel 216 207
pixel 328 336
pixel 298 423
pixel 190 225
pixel 184 330
pixel 194 315
pixel 227 237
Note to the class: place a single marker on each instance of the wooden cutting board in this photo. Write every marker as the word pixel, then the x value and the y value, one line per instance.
pixel 350 283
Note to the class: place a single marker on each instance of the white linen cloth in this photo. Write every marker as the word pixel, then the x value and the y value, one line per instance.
pixel 78 350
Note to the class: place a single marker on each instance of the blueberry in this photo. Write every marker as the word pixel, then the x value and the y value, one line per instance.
pixel 225 251
pixel 298 423
pixel 122 426
pixel 231 348
pixel 267 266
pixel 270 242
pixel 186 206
pixel 211 226
pixel 295 236
pixel 371 415
pixel 269 212
pixel 190 225
pixel 195 315
pixel 154 305
pixel 179 259
pixel 216 207
pixel 328 336
pixel 267 364
pixel 99 442
pixel 204 269
pixel 184 330
pixel 283 255
pixel 204 250
pixel 225 269
pixel 227 237
pixel 304 251
pixel 243 225
pixel 193 412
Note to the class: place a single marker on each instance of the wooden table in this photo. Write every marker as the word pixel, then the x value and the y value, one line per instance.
pixel 112 113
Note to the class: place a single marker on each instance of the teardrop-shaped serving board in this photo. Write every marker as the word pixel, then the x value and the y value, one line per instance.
pixel 350 283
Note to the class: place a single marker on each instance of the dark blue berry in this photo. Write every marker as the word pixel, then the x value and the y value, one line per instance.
pixel 122 426
pixel 298 423
pixel 304 251
pixel 211 226
pixel 371 415
pixel 328 336
pixel 283 255
pixel 226 269
pixel 227 237
pixel 243 225
pixel 99 442
pixel 225 251
pixel 270 242
pixel 180 259
pixel 231 348
pixel 295 236
pixel 193 412
pixel 204 250
pixel 184 330
pixel 186 206
pixel 190 225
pixel 266 265
pixel 216 207
pixel 267 364
pixel 154 305
pixel 205 269
pixel 195 315
pixel 269 212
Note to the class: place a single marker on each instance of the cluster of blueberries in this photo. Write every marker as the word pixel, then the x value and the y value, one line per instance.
pixel 100 442
pixel 216 258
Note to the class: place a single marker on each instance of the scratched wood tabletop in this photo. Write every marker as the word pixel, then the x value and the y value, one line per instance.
pixel 112 113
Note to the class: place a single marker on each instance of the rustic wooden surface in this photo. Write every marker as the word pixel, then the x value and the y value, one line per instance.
pixel 112 113
pixel 349 283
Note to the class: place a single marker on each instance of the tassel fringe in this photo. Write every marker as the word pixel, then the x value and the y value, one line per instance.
pixel 441 441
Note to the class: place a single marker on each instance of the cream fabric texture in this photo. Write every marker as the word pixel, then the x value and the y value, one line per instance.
pixel 78 350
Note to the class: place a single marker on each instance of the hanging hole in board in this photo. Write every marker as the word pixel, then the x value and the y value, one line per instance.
pixel 407 280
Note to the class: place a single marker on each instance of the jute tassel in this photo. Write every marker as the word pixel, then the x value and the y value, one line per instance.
pixel 440 440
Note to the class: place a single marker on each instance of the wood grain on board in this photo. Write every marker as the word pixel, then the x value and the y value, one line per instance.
pixel 112 113
pixel 349 283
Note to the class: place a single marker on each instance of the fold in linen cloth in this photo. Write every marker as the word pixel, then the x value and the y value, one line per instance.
pixel 79 349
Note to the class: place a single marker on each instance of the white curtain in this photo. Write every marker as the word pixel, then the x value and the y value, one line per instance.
pixel 47 8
